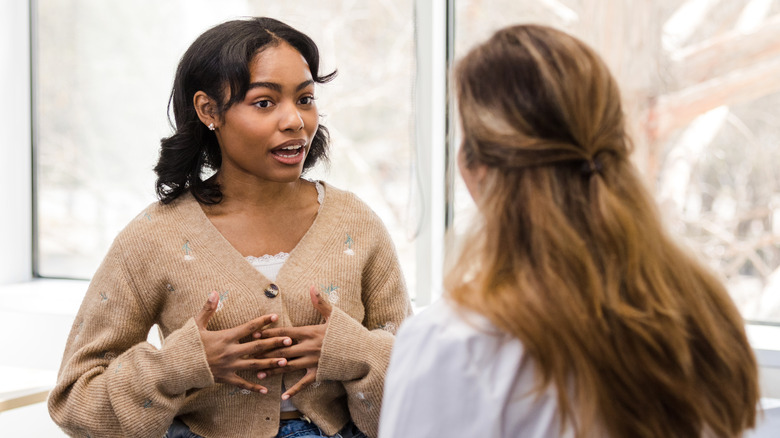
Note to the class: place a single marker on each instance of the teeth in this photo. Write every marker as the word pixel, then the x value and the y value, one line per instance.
pixel 291 148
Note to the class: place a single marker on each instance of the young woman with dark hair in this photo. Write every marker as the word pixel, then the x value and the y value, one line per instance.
pixel 292 339
pixel 570 311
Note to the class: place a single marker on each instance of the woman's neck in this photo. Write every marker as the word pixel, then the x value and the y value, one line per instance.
pixel 242 195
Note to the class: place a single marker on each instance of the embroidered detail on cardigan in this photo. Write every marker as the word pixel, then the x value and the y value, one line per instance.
pixel 330 291
pixel 109 355
pixel 147 403
pixel 241 391
pixel 389 326
pixel 222 297
pixel 78 331
pixel 363 400
pixel 187 251
pixel 348 244
pixel 170 288
pixel 103 297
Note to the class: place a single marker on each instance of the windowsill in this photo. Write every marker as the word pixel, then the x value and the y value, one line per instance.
pixel 46 296
pixel 765 340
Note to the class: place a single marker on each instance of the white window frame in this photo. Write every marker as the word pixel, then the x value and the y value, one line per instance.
pixel 433 31
pixel 16 222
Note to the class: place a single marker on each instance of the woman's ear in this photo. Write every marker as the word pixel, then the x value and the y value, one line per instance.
pixel 206 108
pixel 473 175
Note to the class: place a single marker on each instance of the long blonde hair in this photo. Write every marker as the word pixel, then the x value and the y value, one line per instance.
pixel 570 257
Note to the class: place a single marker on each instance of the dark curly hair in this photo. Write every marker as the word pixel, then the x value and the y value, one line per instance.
pixel 217 58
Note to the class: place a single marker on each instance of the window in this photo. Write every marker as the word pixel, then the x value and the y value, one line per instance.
pixel 705 125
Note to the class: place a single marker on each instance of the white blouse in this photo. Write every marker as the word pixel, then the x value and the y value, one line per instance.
pixel 453 374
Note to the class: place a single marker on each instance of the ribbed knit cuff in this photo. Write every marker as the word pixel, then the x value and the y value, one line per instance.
pixel 337 360
pixel 348 348
pixel 185 360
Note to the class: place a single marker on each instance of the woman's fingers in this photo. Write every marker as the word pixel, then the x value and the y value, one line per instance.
pixel 226 354
pixel 306 380
pixel 305 348
pixel 207 311
pixel 265 365
pixel 261 346
pixel 297 333
pixel 292 365
pixel 254 326
pixel 290 332
pixel 256 364
pixel 322 305
pixel 243 384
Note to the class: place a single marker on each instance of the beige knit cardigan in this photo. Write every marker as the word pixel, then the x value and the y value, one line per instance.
pixel 160 269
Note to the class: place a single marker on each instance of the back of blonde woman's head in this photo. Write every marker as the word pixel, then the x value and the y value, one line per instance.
pixel 569 255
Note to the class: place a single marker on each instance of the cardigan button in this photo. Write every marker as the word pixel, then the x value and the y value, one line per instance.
pixel 272 291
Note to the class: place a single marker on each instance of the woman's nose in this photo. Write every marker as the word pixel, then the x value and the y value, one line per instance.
pixel 291 119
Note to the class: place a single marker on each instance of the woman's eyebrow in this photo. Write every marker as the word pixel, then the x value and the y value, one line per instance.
pixel 278 88
pixel 304 84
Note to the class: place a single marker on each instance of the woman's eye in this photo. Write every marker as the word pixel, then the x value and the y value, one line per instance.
pixel 263 104
pixel 307 100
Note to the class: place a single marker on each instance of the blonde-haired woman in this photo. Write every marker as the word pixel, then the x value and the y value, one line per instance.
pixel 570 311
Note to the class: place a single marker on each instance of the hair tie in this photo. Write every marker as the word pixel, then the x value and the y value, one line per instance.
pixel 591 166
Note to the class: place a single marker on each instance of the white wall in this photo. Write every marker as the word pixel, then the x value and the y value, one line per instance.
pixel 15 150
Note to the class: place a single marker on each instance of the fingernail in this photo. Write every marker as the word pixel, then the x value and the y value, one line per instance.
pixel 261 375
pixel 212 297
pixel 274 317
pixel 287 341
pixel 285 396
pixel 282 362
pixel 264 391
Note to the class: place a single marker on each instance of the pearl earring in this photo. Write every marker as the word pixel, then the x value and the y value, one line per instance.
pixel 211 127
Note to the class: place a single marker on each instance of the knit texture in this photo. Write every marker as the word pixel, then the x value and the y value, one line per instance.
pixel 160 269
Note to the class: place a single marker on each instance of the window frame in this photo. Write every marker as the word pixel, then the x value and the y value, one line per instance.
pixel 17 230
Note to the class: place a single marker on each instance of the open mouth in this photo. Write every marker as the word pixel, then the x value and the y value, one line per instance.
pixel 288 151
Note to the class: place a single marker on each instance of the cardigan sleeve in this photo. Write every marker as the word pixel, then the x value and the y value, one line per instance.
pixel 357 353
pixel 112 383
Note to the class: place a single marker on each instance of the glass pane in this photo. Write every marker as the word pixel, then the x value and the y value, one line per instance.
pixel 705 125
pixel 104 71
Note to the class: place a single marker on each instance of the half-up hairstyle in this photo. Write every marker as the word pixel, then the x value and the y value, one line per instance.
pixel 569 254
pixel 217 63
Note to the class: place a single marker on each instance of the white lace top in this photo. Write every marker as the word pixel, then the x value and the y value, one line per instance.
pixel 270 265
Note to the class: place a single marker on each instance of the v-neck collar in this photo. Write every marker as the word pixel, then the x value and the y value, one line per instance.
pixel 207 237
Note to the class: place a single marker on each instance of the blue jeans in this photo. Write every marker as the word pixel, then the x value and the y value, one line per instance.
pixel 287 429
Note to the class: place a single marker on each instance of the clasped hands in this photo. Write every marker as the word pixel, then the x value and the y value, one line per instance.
pixel 269 351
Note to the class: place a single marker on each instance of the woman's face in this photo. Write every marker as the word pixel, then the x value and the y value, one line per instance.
pixel 268 134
